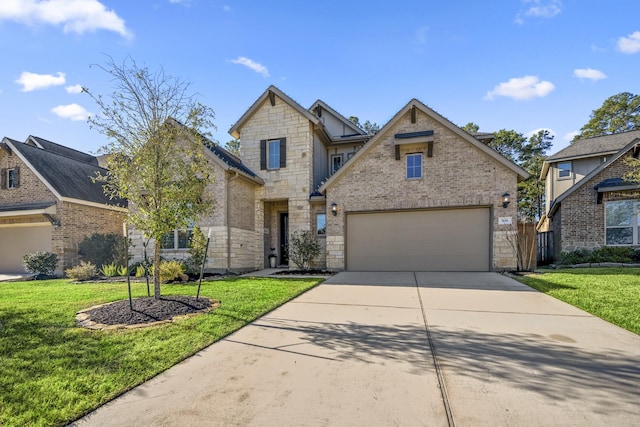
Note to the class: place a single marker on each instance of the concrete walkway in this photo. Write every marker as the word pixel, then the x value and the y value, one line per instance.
pixel 356 350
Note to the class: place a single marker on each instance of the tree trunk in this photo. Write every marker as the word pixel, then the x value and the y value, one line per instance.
pixel 156 270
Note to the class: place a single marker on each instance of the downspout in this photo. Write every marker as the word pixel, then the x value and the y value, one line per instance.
pixel 228 220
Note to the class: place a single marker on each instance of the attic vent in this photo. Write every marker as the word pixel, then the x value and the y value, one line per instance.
pixel 413 114
pixel 636 151
pixel 272 98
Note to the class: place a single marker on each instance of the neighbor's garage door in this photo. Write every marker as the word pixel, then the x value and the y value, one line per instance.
pixel 18 241
pixel 427 240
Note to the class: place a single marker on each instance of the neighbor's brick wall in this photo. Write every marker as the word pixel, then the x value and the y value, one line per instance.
pixel 31 188
pixel 80 221
pixel 457 175
pixel 582 219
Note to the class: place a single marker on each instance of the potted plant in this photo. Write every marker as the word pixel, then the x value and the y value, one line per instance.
pixel 273 258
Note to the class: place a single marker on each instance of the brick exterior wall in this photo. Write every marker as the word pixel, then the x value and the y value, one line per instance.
pixel 579 221
pixel 457 175
pixel 73 221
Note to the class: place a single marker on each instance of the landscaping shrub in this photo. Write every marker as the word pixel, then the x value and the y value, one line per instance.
pixel 40 262
pixel 618 254
pixel 103 249
pixel 303 248
pixel 84 271
pixel 109 270
pixel 197 251
pixel 170 271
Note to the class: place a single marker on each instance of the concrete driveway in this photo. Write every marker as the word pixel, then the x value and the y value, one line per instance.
pixel 410 349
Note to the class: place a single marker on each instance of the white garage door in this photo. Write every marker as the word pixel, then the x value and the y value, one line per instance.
pixel 18 241
pixel 427 240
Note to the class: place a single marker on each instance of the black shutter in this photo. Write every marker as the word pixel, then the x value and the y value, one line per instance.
pixel 283 152
pixel 16 177
pixel 3 179
pixel 263 154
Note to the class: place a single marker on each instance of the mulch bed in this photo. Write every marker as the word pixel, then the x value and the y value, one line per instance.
pixel 145 311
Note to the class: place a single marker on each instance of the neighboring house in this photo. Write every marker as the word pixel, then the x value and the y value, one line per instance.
pixel 48 202
pixel 588 203
pixel 422 194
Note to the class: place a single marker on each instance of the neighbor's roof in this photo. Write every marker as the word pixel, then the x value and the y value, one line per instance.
pixel 67 177
pixel 272 91
pixel 594 146
pixel 61 149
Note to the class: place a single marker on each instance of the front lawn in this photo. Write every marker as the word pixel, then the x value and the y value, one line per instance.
pixel 52 372
pixel 612 294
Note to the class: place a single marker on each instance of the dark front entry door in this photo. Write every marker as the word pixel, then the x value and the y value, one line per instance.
pixel 284 238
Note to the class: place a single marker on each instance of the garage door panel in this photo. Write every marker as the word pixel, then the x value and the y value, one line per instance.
pixel 436 240
pixel 19 241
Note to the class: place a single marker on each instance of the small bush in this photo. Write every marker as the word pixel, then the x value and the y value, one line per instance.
pixel 170 271
pixel 140 270
pixel 40 262
pixel 84 271
pixel 122 271
pixel 109 270
pixel 303 248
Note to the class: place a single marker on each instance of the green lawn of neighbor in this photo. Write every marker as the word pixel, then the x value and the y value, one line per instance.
pixel 52 372
pixel 612 294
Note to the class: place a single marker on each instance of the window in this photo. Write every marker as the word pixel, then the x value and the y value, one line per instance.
pixel 321 224
pixel 564 170
pixel 273 153
pixel 336 162
pixel 177 239
pixel 350 154
pixel 414 166
pixel 622 223
pixel 11 178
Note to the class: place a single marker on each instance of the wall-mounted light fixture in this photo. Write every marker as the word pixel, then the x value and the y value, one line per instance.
pixel 334 209
pixel 506 199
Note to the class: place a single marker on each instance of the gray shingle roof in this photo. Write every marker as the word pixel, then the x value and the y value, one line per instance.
pixel 26 206
pixel 69 176
pixel 65 151
pixel 229 158
pixel 596 145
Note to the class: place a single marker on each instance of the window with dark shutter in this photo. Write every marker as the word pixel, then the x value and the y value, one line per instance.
pixel 283 152
pixel 16 177
pixel 3 179
pixel 263 154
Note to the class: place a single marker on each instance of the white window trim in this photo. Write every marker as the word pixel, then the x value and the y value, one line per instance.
pixel 176 241
pixel 269 142
pixel 336 156
pixel 570 170
pixel 325 225
pixel 11 183
pixel 407 166
pixel 635 226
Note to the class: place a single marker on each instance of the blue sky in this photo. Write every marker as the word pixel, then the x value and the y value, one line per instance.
pixel 516 64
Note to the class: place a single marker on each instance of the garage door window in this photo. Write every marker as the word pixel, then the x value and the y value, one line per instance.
pixel 414 166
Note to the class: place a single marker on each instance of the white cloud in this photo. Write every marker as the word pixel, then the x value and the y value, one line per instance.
pixel 535 131
pixel 539 9
pixel 74 89
pixel 521 88
pixel 589 73
pixel 630 44
pixel 73 112
pixel 226 8
pixel 258 68
pixel 33 81
pixel 569 136
pixel 75 16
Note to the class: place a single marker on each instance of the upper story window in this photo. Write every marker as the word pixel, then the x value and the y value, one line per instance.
pixel 10 178
pixel 336 162
pixel 273 153
pixel 414 166
pixel 564 170
pixel 622 223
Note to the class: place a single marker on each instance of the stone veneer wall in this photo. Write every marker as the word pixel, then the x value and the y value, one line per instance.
pixel 581 219
pixel 457 175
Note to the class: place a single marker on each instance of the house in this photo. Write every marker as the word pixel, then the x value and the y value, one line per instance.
pixel 421 194
pixel 48 202
pixel 588 202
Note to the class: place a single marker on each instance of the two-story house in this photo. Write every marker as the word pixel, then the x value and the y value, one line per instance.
pixel 588 204
pixel 48 202
pixel 421 194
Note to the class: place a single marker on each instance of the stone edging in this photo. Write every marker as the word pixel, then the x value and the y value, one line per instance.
pixel 82 318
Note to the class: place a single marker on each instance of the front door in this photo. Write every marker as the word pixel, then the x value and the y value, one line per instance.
pixel 284 238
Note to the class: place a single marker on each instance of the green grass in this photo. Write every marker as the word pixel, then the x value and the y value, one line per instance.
pixel 613 294
pixel 52 372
